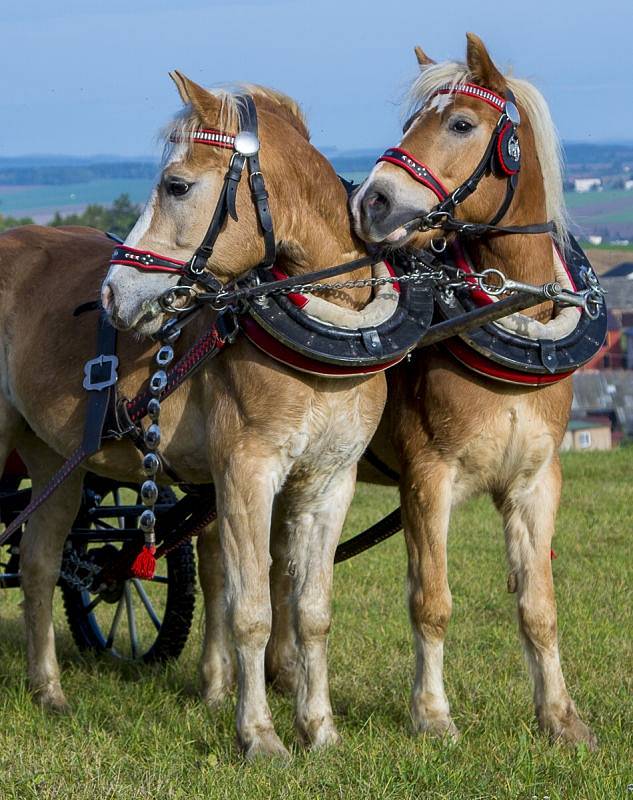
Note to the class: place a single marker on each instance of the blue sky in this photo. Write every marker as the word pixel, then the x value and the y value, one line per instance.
pixel 80 77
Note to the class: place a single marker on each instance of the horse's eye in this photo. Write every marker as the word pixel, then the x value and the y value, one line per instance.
pixel 461 126
pixel 177 186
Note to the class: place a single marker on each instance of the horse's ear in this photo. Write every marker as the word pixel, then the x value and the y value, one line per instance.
pixel 481 66
pixel 205 104
pixel 423 59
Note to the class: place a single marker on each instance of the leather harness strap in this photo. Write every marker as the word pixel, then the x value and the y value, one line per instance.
pixel 101 392
pixel 502 156
pixel 245 145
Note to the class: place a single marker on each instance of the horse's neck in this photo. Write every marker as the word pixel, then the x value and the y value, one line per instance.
pixel 522 257
pixel 315 232
pixel 527 258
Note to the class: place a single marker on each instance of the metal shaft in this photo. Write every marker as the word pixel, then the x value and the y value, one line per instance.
pixel 482 316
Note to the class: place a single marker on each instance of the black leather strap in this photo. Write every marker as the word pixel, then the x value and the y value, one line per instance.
pixel 195 270
pixel 258 185
pixel 98 403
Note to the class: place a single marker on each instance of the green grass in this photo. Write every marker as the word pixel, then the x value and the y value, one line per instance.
pixel 139 732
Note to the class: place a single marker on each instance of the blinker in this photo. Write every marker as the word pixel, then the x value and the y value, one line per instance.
pixel 512 112
pixel 246 143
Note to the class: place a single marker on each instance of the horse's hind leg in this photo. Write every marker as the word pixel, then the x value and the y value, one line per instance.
pixel 9 425
pixel 529 511
pixel 40 559
pixel 245 490
pixel 315 521
pixel 426 491
pixel 216 665
pixel 281 650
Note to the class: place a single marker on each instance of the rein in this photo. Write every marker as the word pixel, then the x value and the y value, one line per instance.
pixel 502 157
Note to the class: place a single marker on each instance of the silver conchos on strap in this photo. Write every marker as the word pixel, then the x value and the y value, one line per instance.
pixel 246 143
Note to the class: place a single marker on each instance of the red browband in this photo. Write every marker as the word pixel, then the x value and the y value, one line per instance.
pixel 472 90
pixel 211 136
pixel 417 169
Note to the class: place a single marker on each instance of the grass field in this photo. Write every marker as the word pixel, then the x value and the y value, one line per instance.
pixel 139 732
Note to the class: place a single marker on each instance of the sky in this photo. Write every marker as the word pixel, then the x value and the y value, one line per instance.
pixel 80 77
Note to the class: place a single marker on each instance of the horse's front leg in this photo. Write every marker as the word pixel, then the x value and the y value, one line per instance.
pixel 315 521
pixel 426 491
pixel 217 672
pixel 529 512
pixel 40 559
pixel 246 489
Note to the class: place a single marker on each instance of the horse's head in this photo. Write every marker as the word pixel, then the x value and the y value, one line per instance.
pixel 180 208
pixel 457 110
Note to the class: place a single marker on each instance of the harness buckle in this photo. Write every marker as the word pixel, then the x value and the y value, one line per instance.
pixel 100 373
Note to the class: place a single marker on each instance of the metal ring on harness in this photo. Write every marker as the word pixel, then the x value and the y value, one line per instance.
pixel 279 326
pixel 500 353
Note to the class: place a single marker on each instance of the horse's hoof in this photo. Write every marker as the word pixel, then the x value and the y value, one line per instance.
pixel 569 729
pixel 214 698
pixel 319 734
pixel 265 745
pixel 284 681
pixel 52 700
pixel 441 727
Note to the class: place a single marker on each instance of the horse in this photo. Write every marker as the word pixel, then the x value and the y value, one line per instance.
pixel 450 431
pixel 280 446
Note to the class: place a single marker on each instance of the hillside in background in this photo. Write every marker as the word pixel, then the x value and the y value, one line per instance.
pixel 38 186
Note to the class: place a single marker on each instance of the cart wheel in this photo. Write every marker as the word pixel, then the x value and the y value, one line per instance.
pixel 134 619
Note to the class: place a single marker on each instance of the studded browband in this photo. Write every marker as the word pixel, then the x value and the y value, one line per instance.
pixel 245 146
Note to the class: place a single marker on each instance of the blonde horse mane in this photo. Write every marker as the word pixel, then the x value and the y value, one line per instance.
pixel 270 99
pixel 548 148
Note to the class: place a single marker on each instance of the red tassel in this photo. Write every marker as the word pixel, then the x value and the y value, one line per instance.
pixel 552 555
pixel 144 565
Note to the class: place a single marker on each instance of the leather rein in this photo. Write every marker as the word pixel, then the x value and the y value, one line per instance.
pixel 502 156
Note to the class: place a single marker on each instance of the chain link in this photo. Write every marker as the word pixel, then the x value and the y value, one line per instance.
pixel 445 279
pixel 360 283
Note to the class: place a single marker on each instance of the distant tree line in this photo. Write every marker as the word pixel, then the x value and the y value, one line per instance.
pixel 119 218
pixel 59 175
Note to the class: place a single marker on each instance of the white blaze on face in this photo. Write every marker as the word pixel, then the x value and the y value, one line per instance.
pixel 127 291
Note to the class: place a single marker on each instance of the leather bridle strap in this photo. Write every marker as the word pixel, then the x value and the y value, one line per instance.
pixel 419 171
pixel 441 216
pixel 245 145
pixel 196 268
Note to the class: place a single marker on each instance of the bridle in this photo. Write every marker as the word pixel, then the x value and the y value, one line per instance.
pixel 245 146
pixel 501 157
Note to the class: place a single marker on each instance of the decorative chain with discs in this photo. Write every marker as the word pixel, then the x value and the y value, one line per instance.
pixel 151 439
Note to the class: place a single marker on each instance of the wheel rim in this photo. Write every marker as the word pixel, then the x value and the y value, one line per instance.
pixel 127 625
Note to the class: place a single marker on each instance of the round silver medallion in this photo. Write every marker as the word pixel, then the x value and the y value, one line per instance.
pixel 512 113
pixel 246 143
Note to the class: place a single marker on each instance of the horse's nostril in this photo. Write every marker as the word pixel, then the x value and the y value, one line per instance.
pixel 376 206
pixel 107 297
pixel 377 200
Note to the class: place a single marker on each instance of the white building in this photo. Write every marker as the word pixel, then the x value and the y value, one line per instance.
pixel 587 184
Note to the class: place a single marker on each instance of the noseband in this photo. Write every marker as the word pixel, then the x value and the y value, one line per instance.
pixel 245 147
pixel 502 157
